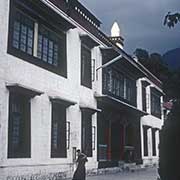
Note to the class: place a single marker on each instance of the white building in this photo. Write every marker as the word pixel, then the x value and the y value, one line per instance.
pixel 55 92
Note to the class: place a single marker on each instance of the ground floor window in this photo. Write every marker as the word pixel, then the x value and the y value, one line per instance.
pixel 19 126
pixel 86 140
pixel 145 140
pixel 154 142
pixel 58 131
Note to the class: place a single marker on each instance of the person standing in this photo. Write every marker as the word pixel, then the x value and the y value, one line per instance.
pixel 80 173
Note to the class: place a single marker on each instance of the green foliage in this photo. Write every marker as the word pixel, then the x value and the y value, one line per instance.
pixel 171 19
pixel 154 63
pixel 172 85
pixel 142 54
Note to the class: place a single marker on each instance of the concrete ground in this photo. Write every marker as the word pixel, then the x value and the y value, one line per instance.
pixel 146 174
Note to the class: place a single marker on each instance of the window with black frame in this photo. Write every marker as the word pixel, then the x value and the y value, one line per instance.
pixel 19 126
pixel 23 32
pixel 144 98
pixel 48 46
pixel 130 90
pixel 117 84
pixel 33 39
pixel 155 105
pixel 145 140
pixel 154 142
pixel 86 141
pixel 58 131
pixel 86 75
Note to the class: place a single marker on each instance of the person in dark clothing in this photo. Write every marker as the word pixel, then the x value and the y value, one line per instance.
pixel 80 173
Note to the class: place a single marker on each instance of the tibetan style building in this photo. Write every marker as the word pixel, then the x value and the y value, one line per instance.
pixel 65 85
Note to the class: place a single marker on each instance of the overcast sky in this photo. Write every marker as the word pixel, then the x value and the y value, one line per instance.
pixel 140 21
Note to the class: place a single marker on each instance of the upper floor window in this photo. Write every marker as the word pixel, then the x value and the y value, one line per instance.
pixel 155 105
pixel 86 76
pixel 23 33
pixel 130 86
pixel 117 84
pixel 144 98
pixel 36 40
pixel 48 46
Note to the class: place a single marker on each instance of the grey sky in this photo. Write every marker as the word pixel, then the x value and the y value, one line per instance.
pixel 140 21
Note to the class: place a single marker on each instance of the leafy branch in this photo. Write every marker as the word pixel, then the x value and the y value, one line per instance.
pixel 171 19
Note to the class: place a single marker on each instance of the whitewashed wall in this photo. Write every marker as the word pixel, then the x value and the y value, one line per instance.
pixel 15 70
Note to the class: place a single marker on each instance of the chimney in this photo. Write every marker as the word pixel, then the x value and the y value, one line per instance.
pixel 116 35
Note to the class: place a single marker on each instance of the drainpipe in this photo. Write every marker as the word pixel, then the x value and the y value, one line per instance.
pixel 108 63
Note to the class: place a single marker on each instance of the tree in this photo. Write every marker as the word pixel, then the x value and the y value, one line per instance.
pixel 154 63
pixel 171 19
pixel 169 148
pixel 142 54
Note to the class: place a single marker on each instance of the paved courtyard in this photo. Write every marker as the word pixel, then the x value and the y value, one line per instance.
pixel 147 174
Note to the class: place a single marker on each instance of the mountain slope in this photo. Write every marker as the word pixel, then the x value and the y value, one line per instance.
pixel 172 58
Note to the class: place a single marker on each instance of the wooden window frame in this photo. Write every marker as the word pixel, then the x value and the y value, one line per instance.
pixel 113 78
pixel 86 67
pixel 155 105
pixel 59 112
pixel 61 69
pixel 86 133
pixel 154 153
pixel 145 140
pixel 144 100
pixel 23 149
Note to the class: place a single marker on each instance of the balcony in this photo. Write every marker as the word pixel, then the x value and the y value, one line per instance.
pixel 119 86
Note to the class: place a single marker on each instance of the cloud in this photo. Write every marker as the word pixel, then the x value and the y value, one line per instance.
pixel 141 22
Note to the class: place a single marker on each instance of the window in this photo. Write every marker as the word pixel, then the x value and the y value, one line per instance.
pixel 117 84
pixel 34 39
pixel 86 141
pixel 23 33
pixel 121 86
pixel 145 140
pixel 58 131
pixel 155 105
pixel 130 90
pixel 48 46
pixel 19 126
pixel 144 98
pixel 154 142
pixel 86 66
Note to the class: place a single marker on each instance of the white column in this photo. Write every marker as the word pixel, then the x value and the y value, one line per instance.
pixel 148 99
pixel 139 94
pixel 149 133
pixel 35 48
pixel 157 143
pixel 162 113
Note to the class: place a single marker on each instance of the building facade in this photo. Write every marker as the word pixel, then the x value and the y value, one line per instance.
pixel 65 85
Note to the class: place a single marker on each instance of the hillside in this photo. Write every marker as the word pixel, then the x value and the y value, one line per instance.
pixel 172 58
